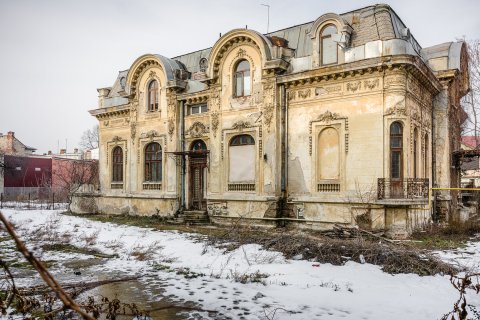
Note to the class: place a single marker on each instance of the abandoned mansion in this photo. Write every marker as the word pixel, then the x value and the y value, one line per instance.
pixel 346 119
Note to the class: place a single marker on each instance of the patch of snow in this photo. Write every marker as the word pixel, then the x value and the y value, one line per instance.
pixel 188 270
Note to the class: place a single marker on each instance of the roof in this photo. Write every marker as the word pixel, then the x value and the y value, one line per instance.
pixel 471 141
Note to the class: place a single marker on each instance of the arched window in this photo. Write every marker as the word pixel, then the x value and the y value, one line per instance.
pixel 328 48
pixel 242 79
pixel 153 96
pixel 198 146
pixel 396 150
pixel 153 162
pixel 117 170
pixel 242 159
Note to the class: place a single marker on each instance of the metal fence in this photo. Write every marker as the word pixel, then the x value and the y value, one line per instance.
pixel 33 198
pixel 410 188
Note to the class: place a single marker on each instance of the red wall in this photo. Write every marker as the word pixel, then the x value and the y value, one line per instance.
pixel 27 176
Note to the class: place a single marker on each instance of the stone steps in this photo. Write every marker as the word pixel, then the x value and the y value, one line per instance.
pixel 195 217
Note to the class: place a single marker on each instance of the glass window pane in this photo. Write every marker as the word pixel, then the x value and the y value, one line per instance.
pixel 396 128
pixel 396 142
pixel 395 165
pixel 239 85
pixel 246 84
pixel 329 51
pixel 331 29
pixel 243 66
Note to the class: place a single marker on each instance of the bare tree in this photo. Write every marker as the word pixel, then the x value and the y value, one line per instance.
pixel 73 176
pixel 471 101
pixel 90 139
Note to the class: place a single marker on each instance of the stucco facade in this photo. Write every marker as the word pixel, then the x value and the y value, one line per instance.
pixel 292 139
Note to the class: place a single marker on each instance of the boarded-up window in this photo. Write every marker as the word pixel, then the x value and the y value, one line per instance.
pixel 328 155
pixel 242 159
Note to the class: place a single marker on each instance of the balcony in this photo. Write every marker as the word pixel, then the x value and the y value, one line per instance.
pixel 404 189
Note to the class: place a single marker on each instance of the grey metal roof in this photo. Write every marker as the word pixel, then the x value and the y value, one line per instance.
pixel 376 22
pixel 450 51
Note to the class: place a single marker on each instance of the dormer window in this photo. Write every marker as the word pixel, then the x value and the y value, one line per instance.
pixel 328 48
pixel 242 81
pixel 123 82
pixel 152 96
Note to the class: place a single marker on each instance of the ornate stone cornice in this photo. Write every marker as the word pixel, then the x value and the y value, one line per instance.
pixel 411 64
pixel 111 112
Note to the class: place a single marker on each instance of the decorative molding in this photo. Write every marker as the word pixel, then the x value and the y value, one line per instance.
pixel 398 109
pixel 214 122
pixel 133 130
pixel 152 74
pixel 241 125
pixel 268 103
pixel 371 84
pixel 304 94
pixel 197 130
pixel 150 134
pixel 241 53
pixel 230 45
pixel 116 139
pixel 328 117
pixel 354 86
pixel 217 209
pixel 171 127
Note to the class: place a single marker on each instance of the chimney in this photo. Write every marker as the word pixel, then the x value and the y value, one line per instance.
pixel 63 151
pixel 10 149
pixel 49 152
pixel 102 94
pixel 75 150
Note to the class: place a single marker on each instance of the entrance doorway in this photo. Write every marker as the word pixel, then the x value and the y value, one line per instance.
pixel 198 175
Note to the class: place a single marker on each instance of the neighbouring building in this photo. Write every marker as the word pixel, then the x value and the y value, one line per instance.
pixel 470 165
pixel 345 119
pixel 9 144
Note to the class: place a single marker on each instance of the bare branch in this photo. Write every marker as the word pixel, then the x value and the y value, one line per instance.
pixel 90 138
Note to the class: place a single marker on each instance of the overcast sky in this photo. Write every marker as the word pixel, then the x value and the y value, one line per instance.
pixel 55 54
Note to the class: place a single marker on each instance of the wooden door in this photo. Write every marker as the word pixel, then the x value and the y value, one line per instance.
pixel 198 183
pixel 396 161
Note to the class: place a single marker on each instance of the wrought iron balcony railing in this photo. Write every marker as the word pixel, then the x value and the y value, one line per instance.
pixel 410 188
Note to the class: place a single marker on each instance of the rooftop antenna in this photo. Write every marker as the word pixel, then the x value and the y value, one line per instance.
pixel 268 14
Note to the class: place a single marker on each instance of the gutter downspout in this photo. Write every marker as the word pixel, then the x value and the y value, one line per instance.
pixel 182 161
pixel 284 149
pixel 434 165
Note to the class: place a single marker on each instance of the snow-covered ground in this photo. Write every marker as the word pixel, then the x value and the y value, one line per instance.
pixel 296 289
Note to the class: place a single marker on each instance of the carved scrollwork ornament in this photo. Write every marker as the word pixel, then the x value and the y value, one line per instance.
pixel 241 125
pixel 197 130
pixel 215 121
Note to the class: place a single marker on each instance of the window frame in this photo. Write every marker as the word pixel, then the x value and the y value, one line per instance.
pixel 396 150
pixel 117 164
pixel 150 162
pixel 241 140
pixel 203 108
pixel 240 74
pixel 322 38
pixel 152 107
